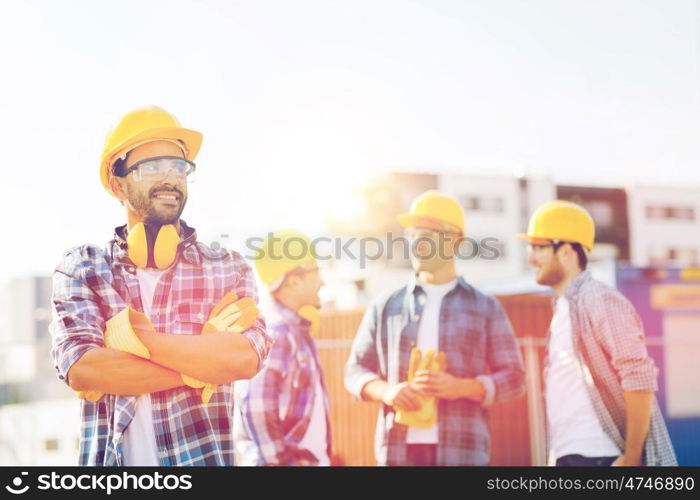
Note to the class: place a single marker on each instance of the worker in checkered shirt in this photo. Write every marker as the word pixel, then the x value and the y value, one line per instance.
pixel 599 378
pixel 129 319
pixel 283 413
pixel 436 414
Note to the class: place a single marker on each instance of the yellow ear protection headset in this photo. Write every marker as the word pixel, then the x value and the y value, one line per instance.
pixel 152 245
pixel 313 316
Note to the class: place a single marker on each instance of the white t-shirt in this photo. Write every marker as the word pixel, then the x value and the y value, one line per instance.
pixel 315 438
pixel 139 440
pixel 574 426
pixel 428 338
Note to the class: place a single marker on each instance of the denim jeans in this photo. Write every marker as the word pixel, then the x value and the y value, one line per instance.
pixel 581 461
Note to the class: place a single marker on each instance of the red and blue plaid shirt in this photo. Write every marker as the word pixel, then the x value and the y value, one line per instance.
pixel 609 342
pixel 92 284
pixel 275 408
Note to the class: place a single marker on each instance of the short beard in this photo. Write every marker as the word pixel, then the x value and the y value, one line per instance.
pixel 553 275
pixel 143 205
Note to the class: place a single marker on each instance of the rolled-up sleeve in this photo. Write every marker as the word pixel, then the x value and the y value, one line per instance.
pixel 77 324
pixel 507 378
pixel 257 334
pixel 620 329
pixel 363 365
pixel 260 406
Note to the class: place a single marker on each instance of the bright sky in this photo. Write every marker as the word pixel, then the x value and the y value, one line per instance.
pixel 299 100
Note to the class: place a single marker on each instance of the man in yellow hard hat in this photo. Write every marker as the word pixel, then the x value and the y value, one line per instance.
pixel 282 414
pixel 599 378
pixel 436 352
pixel 127 318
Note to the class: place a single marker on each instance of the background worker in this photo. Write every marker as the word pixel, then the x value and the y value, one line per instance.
pixel 436 311
pixel 127 318
pixel 599 379
pixel 282 414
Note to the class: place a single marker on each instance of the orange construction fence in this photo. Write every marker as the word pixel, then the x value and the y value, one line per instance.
pixel 517 435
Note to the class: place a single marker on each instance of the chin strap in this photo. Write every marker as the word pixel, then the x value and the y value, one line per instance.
pixel 152 245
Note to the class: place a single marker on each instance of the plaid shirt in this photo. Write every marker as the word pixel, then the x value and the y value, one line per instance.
pixel 274 409
pixel 91 285
pixel 476 336
pixel 609 342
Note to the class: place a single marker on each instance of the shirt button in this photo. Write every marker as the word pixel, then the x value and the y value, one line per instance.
pixel 200 315
pixel 416 317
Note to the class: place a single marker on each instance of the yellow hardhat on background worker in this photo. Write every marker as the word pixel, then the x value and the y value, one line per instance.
pixel 141 126
pixel 561 221
pixel 282 252
pixel 434 210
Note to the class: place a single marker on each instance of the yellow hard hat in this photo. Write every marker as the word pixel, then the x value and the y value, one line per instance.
pixel 282 252
pixel 562 221
pixel 434 210
pixel 145 125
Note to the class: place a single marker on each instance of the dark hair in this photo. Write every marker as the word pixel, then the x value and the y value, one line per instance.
pixel 582 257
pixel 119 166
pixel 580 252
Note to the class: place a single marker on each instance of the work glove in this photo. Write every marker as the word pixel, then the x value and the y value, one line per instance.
pixel 120 334
pixel 426 416
pixel 92 396
pixel 229 315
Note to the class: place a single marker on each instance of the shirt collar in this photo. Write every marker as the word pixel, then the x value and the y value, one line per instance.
pixel 288 316
pixel 187 248
pixel 413 283
pixel 573 288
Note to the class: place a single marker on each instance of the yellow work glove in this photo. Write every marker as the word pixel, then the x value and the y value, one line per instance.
pixel 426 416
pixel 120 334
pixel 92 396
pixel 229 315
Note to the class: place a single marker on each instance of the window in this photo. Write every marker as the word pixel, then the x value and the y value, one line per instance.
pixel 493 204
pixel 674 256
pixel 602 213
pixel 470 202
pixel 670 212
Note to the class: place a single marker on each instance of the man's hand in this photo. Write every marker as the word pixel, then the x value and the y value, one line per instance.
pixel 445 386
pixel 124 329
pixel 628 460
pixel 230 314
pixel 402 396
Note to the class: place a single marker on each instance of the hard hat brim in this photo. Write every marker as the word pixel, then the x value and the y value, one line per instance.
pixel 535 239
pixel 410 220
pixel 191 138
pixel 525 237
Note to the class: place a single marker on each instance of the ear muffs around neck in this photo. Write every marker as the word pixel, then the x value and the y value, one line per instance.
pixel 152 245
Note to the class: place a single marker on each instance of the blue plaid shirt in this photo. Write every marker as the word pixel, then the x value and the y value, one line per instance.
pixel 274 409
pixel 90 285
pixel 476 336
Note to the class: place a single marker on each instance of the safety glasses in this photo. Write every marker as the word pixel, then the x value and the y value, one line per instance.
pixel 537 247
pixel 156 168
